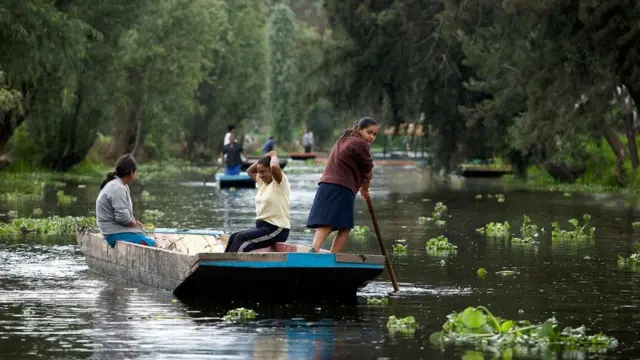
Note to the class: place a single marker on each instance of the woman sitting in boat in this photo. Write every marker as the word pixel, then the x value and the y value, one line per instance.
pixel 348 170
pixel 114 211
pixel 273 218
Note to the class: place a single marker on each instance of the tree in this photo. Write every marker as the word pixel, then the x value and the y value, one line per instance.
pixel 282 77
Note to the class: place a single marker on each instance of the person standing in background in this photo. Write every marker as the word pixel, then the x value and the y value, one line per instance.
pixel 269 145
pixel 307 140
pixel 231 129
pixel 233 157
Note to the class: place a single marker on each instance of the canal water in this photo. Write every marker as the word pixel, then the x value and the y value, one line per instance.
pixel 52 306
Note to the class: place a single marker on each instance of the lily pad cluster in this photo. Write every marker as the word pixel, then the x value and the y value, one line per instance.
pixel 406 325
pixel 477 327
pixel 440 246
pixel 56 225
pixel 239 314
pixel 579 232
pixel 493 229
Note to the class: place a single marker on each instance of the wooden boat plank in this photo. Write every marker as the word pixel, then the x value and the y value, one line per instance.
pixel 242 257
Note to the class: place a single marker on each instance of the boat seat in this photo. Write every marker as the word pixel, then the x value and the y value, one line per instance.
pixel 284 247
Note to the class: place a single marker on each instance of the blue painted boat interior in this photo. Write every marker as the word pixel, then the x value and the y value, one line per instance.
pixel 295 260
pixel 240 177
pixel 188 231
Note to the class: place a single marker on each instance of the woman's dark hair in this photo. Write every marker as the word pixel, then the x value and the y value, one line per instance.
pixel 125 165
pixel 363 123
pixel 265 161
pixel 231 127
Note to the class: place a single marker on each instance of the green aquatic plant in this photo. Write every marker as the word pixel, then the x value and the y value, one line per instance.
pixel 481 273
pixel 578 232
pixel 500 198
pixel 239 314
pixel 359 231
pixel 400 249
pixel 478 197
pixel 146 196
pixel 64 199
pixel 152 215
pixel 12 213
pixel 528 232
pixel 56 225
pixel 436 216
pixel 440 246
pixel 377 301
pixel 403 325
pixel 36 212
pixel 478 327
pixel 636 224
pixel 17 197
pixel 495 230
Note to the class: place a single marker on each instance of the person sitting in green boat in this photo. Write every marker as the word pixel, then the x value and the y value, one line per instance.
pixel 114 210
pixel 273 217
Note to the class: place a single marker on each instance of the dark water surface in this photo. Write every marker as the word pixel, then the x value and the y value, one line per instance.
pixel 52 306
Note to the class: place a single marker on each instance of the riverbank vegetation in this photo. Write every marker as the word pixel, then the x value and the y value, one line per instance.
pixel 549 88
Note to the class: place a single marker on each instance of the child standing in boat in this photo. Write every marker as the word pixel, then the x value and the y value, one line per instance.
pixel 273 218
pixel 348 170
pixel 114 209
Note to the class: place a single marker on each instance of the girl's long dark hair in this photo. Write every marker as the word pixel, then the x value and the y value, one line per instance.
pixel 363 123
pixel 125 165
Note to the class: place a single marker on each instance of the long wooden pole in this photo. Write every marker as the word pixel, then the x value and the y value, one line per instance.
pixel 392 273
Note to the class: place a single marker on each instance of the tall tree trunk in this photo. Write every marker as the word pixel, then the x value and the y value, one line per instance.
pixel 627 118
pixel 618 149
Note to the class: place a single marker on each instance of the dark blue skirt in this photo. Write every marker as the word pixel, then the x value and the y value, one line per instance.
pixel 332 206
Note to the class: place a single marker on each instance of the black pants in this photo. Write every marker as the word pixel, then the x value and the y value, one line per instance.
pixel 264 235
pixel 307 149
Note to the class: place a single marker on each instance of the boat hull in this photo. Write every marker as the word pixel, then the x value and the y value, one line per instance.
pixel 302 156
pixel 235 181
pixel 267 274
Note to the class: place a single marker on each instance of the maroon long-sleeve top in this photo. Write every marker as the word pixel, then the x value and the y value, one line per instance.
pixel 349 161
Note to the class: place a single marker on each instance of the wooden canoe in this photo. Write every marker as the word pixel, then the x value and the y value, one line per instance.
pixel 192 264
pixel 302 156
pixel 235 181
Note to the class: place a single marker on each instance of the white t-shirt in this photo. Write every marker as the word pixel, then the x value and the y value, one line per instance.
pixel 227 139
pixel 272 202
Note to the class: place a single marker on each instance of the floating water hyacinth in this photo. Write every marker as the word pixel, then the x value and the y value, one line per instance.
pixel 239 314
pixel 152 215
pixel 377 301
pixel 440 246
pixel 495 229
pixel 436 216
pixel 64 199
pixel 481 273
pixel 528 231
pixel 404 325
pixel 477 327
pixel 359 231
pixel 400 249
pixel 578 232
pixel 55 225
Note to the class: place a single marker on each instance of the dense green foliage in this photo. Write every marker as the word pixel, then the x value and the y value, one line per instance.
pixel 553 84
